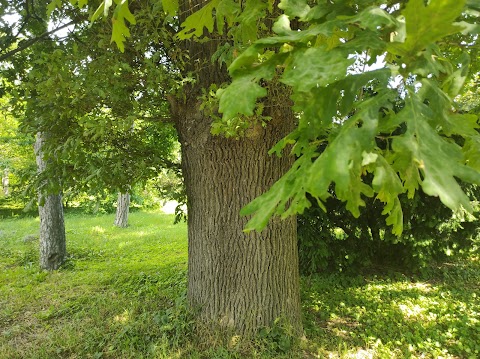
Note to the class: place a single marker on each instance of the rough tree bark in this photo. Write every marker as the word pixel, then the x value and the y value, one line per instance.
pixel 238 280
pixel 53 249
pixel 123 206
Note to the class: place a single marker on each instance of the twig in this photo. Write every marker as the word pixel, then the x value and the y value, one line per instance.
pixel 30 42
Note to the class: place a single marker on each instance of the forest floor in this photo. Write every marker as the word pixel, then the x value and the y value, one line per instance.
pixel 121 294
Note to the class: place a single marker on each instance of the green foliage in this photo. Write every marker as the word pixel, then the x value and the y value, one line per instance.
pixel 121 13
pixel 313 51
pixel 233 104
pixel 14 206
pixel 203 16
pixel 336 241
pixel 170 6
pixel 278 338
pixel 468 100
pixel 316 60
pixel 177 321
pixel 100 203
pixel 16 155
pixel 421 29
pixel 235 126
pixel 105 117
pixel 103 131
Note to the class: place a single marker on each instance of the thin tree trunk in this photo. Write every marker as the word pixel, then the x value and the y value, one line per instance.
pixel 123 206
pixel 5 182
pixel 53 249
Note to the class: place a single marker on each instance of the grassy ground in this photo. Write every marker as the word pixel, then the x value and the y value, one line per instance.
pixel 121 295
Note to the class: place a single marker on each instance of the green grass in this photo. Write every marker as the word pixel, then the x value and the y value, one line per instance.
pixel 121 295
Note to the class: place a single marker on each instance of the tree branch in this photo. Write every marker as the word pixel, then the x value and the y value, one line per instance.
pixel 156 119
pixel 30 42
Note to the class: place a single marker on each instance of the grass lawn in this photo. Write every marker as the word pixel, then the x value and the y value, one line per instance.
pixel 122 295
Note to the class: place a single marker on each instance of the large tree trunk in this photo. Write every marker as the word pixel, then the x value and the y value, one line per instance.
pixel 242 281
pixel 123 206
pixel 53 249
pixel 238 280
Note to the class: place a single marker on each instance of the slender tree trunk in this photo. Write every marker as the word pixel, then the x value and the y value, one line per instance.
pixel 123 206
pixel 53 249
pixel 5 182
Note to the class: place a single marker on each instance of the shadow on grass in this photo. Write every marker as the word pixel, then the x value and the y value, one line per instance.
pixel 396 318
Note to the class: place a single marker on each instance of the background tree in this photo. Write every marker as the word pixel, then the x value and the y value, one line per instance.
pixel 34 24
pixel 97 96
pixel 16 155
pixel 53 243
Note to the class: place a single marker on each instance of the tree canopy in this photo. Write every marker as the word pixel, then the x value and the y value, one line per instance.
pixel 418 49
pixel 106 119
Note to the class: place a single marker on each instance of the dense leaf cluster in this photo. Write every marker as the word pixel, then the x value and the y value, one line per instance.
pixel 104 113
pixel 336 240
pixel 315 60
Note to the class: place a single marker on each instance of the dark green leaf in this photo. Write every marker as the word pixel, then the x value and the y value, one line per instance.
pixel 240 98
pixel 315 67
pixel 423 29
pixel 295 8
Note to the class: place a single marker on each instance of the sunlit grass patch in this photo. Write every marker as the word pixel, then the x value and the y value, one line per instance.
pixel 97 230
pixel 71 312
pixel 394 318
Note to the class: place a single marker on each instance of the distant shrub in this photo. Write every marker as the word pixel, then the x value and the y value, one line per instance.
pixel 336 240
